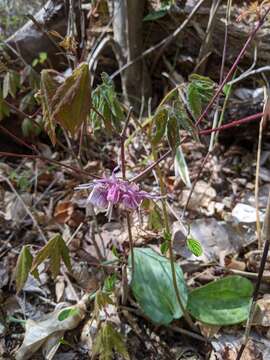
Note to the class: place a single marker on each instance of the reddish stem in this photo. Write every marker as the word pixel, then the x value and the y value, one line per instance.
pixel 233 68
pixel 232 124
pixel 202 132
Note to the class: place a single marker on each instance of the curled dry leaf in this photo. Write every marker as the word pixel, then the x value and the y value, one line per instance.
pixel 63 211
pixel 66 213
pixel 38 333
pixel 262 314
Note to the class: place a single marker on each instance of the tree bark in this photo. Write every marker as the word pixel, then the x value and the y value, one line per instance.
pixel 128 33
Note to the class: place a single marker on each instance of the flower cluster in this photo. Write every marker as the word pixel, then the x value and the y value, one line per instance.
pixel 109 191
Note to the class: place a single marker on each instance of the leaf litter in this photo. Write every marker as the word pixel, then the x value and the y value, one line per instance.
pixel 214 247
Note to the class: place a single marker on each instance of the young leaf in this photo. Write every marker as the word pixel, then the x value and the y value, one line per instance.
pixel 105 101
pixel 102 299
pixel 200 90
pixel 4 109
pixel 194 100
pixel 194 246
pixel 159 122
pixel 109 283
pixel 48 84
pixel 108 341
pixel 72 100
pixel 155 15
pixel 222 302
pixel 23 267
pixel 66 313
pixel 180 167
pixel 152 286
pixel 173 133
pixel 55 250
pixel 11 83
pixel 164 247
pixel 155 221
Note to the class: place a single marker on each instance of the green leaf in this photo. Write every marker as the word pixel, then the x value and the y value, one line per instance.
pixel 55 250
pixel 23 267
pixel 66 313
pixel 29 128
pixel 173 133
pixel 222 302
pixel 152 286
pixel 4 108
pixel 194 100
pixel 108 341
pixel 164 247
pixel 42 57
pixel 199 92
pixel 35 62
pixel 159 123
pixel 180 167
pixel 102 299
pixel 155 15
pixel 11 83
pixel 109 283
pixel 110 111
pixel 71 102
pixel 194 246
pixel 155 221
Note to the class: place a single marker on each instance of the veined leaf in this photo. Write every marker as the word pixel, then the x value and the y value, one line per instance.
pixel 173 133
pixel 23 267
pixel 108 341
pixel 199 92
pixel 152 286
pixel 66 313
pixel 180 166
pixel 194 246
pixel 155 221
pixel 11 83
pixel 222 302
pixel 102 299
pixel 159 124
pixel 48 84
pixel 4 109
pixel 105 101
pixel 55 250
pixel 71 103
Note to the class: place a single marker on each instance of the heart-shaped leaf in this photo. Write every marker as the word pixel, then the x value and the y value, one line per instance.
pixel 152 286
pixel 222 302
pixel 72 100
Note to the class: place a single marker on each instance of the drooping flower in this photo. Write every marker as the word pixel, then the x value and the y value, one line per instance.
pixel 110 191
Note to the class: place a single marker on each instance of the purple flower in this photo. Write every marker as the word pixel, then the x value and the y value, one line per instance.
pixel 110 191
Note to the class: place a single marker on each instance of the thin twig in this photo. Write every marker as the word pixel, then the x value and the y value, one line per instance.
pixel 224 53
pixel 234 66
pixel 25 207
pixel 231 124
pixel 266 238
pixel 258 163
pixel 163 43
pixel 29 156
pixel 123 169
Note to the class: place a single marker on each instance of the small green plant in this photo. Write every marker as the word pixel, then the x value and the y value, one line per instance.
pixel 42 58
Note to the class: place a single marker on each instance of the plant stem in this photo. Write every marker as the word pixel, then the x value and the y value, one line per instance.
pixel 231 124
pixel 123 169
pixel 170 245
pixel 266 238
